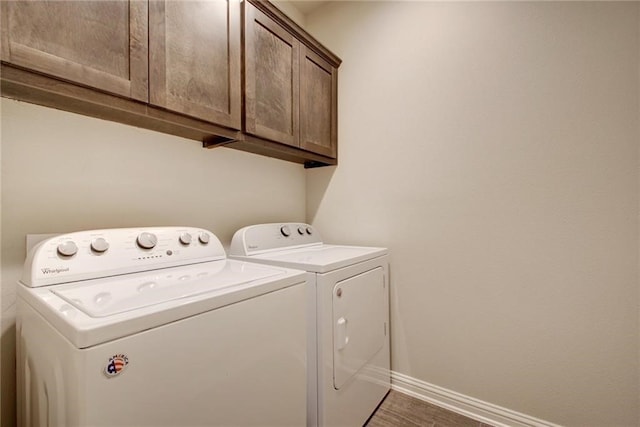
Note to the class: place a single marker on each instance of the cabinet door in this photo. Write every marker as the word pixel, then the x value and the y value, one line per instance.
pixel 271 79
pixel 318 104
pixel 195 59
pixel 101 44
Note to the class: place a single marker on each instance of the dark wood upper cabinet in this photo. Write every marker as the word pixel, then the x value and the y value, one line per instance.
pixel 291 83
pixel 99 44
pixel 271 79
pixel 229 73
pixel 195 59
pixel 318 104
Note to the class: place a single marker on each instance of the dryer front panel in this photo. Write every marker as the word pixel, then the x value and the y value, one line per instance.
pixel 359 329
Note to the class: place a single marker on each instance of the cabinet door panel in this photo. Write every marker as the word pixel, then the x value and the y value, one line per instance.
pixel 271 79
pixel 101 44
pixel 318 104
pixel 195 59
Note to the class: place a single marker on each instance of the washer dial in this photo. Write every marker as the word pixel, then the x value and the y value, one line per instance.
pixel 185 239
pixel 67 249
pixel 285 230
pixel 99 245
pixel 147 240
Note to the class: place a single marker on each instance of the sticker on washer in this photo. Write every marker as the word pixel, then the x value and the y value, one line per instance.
pixel 116 365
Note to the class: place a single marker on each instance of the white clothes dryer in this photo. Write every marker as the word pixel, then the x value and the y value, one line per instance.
pixel 156 327
pixel 349 361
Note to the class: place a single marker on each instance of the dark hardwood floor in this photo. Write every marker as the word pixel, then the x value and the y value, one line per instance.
pixel 400 410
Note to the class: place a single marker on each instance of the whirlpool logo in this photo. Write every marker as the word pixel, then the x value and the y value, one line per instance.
pixel 48 270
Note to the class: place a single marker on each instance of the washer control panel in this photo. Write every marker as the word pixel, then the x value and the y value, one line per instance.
pixel 259 238
pixel 101 253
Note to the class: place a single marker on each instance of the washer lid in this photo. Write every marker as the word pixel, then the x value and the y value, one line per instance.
pixel 106 297
pixel 95 311
pixel 320 258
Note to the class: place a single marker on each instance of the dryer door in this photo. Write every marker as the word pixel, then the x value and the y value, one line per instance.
pixel 359 328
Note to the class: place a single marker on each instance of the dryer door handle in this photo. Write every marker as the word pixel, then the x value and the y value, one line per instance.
pixel 341 329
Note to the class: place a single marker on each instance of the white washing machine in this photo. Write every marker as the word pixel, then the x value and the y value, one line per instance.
pixel 155 327
pixel 349 317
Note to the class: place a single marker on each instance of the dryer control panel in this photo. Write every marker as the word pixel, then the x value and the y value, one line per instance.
pixel 93 254
pixel 256 239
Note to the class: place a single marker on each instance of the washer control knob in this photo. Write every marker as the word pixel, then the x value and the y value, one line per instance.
pixel 185 239
pixel 204 238
pixel 309 231
pixel 301 230
pixel 285 230
pixel 147 240
pixel 99 245
pixel 67 249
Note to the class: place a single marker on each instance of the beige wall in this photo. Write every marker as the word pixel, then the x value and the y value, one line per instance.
pixel 64 172
pixel 291 11
pixel 493 146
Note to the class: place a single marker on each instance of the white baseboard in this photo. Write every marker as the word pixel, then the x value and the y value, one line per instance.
pixel 464 405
